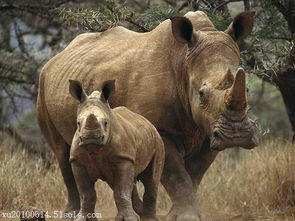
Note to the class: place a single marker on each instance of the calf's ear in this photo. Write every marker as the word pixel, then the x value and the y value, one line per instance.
pixel 77 91
pixel 182 30
pixel 241 26
pixel 108 87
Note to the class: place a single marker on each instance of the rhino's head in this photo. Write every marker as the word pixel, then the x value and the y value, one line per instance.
pixel 215 85
pixel 93 114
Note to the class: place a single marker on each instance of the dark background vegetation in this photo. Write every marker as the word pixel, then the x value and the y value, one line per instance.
pixel 33 31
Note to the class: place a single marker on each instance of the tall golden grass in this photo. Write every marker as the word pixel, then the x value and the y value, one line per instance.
pixel 255 185
pixel 259 185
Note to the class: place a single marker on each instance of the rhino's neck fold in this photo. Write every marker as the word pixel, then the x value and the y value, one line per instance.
pixel 177 65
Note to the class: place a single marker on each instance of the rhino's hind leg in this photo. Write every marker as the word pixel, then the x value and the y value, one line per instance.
pixel 150 178
pixel 179 186
pixel 62 151
pixel 73 204
pixel 136 201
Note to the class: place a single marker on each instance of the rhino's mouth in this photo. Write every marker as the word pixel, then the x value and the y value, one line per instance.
pixel 228 133
pixel 218 143
pixel 93 140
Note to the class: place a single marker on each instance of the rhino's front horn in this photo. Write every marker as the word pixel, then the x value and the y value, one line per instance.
pixel 92 123
pixel 236 97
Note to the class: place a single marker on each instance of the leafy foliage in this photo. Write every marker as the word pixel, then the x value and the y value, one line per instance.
pixel 112 14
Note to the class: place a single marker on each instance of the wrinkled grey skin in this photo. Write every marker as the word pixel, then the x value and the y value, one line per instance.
pixel 117 146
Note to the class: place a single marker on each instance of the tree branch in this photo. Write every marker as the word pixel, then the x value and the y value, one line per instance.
pixel 130 20
pixel 11 78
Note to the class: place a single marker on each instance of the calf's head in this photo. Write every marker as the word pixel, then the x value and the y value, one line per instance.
pixel 215 86
pixel 93 114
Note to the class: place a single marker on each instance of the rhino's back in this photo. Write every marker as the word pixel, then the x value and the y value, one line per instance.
pixel 132 59
pixel 136 125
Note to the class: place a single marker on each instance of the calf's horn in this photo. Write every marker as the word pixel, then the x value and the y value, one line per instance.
pixel 236 97
pixel 92 123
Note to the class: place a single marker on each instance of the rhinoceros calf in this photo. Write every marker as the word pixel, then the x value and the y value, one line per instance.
pixel 117 146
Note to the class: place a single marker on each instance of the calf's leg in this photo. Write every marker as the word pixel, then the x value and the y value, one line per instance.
pixel 123 185
pixel 86 191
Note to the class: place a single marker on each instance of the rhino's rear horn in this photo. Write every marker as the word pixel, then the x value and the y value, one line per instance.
pixel 226 82
pixel 236 96
pixel 92 123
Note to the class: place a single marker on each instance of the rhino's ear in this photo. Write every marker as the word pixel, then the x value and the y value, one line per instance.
pixel 182 30
pixel 241 26
pixel 108 87
pixel 77 91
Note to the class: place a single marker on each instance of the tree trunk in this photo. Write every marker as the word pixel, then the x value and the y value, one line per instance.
pixel 286 84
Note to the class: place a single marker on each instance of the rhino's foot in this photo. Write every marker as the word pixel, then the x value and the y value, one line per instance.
pixel 71 210
pixel 127 217
pixel 183 214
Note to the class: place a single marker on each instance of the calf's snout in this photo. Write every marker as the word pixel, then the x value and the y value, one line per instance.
pixel 94 123
pixel 94 131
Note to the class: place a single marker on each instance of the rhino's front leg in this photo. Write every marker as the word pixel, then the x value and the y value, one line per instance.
pixel 86 191
pixel 179 186
pixel 123 185
pixel 198 163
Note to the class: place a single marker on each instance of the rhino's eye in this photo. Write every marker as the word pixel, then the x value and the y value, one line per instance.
pixel 201 94
pixel 79 125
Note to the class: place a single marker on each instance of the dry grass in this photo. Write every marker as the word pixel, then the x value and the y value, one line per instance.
pixel 258 185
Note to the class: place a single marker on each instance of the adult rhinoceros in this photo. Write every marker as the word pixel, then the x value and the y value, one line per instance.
pixel 183 76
